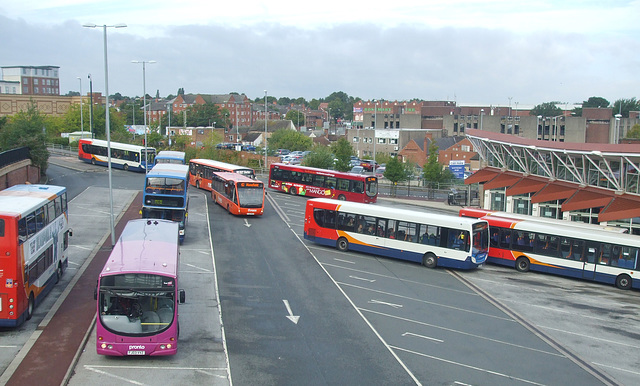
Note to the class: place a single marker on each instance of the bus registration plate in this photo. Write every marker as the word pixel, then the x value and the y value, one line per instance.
pixel 135 352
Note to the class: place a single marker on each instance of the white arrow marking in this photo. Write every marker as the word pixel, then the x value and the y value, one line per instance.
pixel 385 303
pixel 291 317
pixel 246 223
pixel 422 336
pixel 363 279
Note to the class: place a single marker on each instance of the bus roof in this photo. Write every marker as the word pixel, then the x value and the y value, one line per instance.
pixel 236 177
pixel 22 199
pixel 169 170
pixel 397 213
pixel 172 154
pixel 323 172
pixel 145 246
pixel 210 162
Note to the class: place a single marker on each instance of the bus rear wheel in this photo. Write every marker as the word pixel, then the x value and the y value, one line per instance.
pixel 125 167
pixel 522 264
pixel 342 197
pixel 58 273
pixel 623 282
pixel 30 307
pixel 430 260
pixel 93 161
pixel 293 191
pixel 197 184
pixel 342 244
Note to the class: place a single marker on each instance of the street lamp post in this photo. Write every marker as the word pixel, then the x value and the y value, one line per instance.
pixel 144 110
pixel 481 115
pixel 375 125
pixel 617 129
pixel 91 101
pixel 265 131
pixel 107 128
pixel 81 120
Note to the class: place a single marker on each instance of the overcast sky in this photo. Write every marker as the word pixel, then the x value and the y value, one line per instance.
pixel 473 52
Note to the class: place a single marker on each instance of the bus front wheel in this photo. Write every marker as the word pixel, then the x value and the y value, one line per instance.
pixel 293 191
pixel 342 244
pixel 522 264
pixel 623 282
pixel 30 307
pixel 125 167
pixel 58 273
pixel 93 161
pixel 342 197
pixel 430 260
pixel 197 184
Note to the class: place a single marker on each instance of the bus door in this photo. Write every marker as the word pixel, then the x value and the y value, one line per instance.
pixel 592 255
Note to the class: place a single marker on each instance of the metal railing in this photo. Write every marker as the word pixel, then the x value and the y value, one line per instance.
pixel 14 155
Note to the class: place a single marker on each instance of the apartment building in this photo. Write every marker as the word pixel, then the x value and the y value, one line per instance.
pixel 30 80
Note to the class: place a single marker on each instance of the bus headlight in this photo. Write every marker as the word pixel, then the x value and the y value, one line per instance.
pixel 169 345
pixel 162 347
pixel 181 232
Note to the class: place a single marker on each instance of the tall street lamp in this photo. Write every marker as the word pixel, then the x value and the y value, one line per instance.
pixel 481 115
pixel 81 120
pixel 107 127
pixel 617 129
pixel 91 102
pixel 144 110
pixel 265 131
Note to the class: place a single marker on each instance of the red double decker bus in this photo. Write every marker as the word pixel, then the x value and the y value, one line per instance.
pixel 314 182
pixel 238 194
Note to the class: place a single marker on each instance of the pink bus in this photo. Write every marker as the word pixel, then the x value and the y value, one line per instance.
pixel 137 292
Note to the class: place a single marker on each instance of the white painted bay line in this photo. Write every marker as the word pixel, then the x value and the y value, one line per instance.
pixel 426 302
pixel 617 368
pixel 423 337
pixel 374 301
pixel 459 332
pixel 345 261
pixel 363 279
pixel 590 337
pixel 113 376
pixel 468 366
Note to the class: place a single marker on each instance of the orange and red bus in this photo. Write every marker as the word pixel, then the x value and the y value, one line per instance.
pixel 238 194
pixel 201 171
pixel 34 237
pixel 321 183
pixel 565 248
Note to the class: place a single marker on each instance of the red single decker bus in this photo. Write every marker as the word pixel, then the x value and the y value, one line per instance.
pixel 314 182
pixel 238 194
pixel 201 171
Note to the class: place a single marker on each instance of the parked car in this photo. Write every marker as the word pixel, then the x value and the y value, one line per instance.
pixel 380 171
pixel 368 164
pixel 282 151
pixel 357 170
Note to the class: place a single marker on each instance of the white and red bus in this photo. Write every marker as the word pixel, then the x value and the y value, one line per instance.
pixel 123 155
pixel 314 182
pixel 575 250
pixel 201 171
pixel 238 194
pixel 137 292
pixel 34 237
pixel 427 238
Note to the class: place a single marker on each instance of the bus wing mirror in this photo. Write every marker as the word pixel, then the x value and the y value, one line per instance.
pixel 182 295
pixel 70 232
pixel 95 292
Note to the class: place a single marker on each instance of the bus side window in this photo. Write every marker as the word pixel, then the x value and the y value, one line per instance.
pixel 343 184
pixel 330 219
pixel 318 216
pixel 505 239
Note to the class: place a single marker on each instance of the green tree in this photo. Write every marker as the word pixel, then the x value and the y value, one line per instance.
pixel 547 109
pixel 295 116
pixel 204 115
pixel 395 171
pixel 634 132
pixel 623 106
pixel 343 151
pixel 320 157
pixel 597 102
pixel 289 139
pixel 432 170
pixel 27 128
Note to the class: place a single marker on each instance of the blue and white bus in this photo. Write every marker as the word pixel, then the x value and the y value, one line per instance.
pixel 170 157
pixel 166 195
pixel 123 155
pixel 427 238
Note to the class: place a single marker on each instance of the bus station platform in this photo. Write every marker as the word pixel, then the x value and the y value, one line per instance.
pixel 49 355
